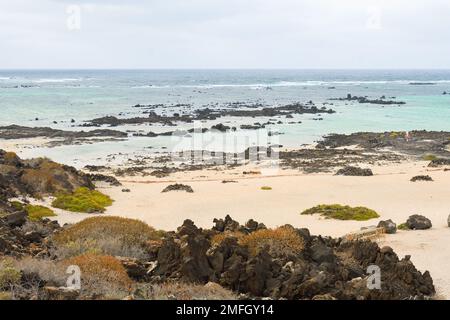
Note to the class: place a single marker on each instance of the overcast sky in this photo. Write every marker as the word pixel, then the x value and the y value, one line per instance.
pixel 225 34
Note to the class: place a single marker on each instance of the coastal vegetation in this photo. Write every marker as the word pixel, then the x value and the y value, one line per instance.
pixel 102 275
pixel 83 200
pixel 106 235
pixel 340 212
pixel 283 241
pixel 37 212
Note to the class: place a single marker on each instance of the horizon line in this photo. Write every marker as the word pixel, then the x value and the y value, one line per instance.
pixel 223 69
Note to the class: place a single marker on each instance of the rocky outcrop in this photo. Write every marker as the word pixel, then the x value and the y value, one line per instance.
pixel 324 268
pixel 439 162
pixel 37 177
pixel 418 222
pixel 382 100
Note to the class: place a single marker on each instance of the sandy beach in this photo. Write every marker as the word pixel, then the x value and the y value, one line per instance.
pixel 390 192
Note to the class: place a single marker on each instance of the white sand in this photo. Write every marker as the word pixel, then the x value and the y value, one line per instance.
pixel 389 192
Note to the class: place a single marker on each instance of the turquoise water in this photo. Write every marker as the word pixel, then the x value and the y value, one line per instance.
pixel 63 95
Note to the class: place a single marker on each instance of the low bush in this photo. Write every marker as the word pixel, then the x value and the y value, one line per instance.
pixel 9 275
pixel 83 200
pixel 339 212
pixel 115 236
pixel 266 188
pixel 49 271
pixel 36 212
pixel 282 241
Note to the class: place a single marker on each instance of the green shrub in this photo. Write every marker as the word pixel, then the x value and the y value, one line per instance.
pixel 186 291
pixel 266 188
pixel 17 205
pixel 336 211
pixel 83 200
pixel 218 238
pixel 36 212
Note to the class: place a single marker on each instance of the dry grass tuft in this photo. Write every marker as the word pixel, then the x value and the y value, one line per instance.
pixel 217 239
pixel 185 291
pixel 83 200
pixel 282 241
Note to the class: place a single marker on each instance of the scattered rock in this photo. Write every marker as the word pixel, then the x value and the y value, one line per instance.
pixel 354 171
pixel 326 268
pixel 220 127
pixel 178 187
pixel 418 222
pixel 388 225
pixel 229 181
pixel 104 178
pixel 381 100
pixel 421 178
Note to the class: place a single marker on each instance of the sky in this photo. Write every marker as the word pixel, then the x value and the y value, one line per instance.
pixel 338 34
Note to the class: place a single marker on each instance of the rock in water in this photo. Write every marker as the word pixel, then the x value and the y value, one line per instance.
pixel 418 222
pixel 388 225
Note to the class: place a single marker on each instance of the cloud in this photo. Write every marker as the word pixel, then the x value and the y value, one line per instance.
pixel 226 34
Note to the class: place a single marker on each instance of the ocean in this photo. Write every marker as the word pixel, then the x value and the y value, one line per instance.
pixel 55 97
